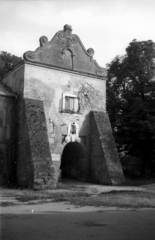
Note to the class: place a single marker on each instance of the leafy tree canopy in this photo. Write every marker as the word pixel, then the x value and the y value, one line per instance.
pixel 130 101
pixel 7 63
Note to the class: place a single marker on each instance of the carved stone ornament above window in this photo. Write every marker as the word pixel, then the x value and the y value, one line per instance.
pixel 66 51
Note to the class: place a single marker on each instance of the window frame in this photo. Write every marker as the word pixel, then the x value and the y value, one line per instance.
pixel 69 95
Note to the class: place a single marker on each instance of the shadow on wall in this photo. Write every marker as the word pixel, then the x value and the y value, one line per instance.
pixel 73 162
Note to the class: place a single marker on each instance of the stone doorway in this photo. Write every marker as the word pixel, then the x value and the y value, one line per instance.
pixel 73 162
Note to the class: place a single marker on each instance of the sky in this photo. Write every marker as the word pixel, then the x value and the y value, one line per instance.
pixel 107 26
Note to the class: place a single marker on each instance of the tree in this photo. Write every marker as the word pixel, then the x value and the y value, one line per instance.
pixel 7 63
pixel 130 102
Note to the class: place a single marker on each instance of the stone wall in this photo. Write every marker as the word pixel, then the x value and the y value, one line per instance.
pixel 48 85
pixel 34 166
pixel 61 73
pixel 6 110
pixel 31 164
pixel 105 164
pixel 25 171
pixel 42 127
pixel 40 152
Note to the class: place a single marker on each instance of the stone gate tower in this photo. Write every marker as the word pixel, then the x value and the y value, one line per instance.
pixel 61 115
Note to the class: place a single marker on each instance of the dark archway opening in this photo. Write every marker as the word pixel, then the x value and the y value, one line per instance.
pixel 73 162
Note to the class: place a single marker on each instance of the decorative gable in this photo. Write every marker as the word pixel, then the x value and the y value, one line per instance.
pixel 66 51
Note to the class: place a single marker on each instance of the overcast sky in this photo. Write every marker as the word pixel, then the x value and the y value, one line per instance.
pixel 105 25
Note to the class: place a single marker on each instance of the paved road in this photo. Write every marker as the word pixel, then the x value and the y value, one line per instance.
pixel 59 221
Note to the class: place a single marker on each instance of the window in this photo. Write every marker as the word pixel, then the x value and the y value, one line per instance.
pixel 70 103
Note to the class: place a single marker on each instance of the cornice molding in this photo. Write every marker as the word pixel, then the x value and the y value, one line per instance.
pixel 43 65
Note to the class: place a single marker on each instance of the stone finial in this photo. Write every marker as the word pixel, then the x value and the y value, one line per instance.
pixel 68 28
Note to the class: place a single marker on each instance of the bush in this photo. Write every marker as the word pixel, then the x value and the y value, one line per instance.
pixel 131 165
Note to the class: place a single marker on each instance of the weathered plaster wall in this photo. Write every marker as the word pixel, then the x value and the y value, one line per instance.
pixel 48 85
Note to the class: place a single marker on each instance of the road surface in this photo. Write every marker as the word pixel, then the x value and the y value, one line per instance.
pixel 62 221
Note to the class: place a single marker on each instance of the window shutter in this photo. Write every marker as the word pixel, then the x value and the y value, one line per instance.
pixel 71 107
pixel 76 104
pixel 70 104
pixel 67 100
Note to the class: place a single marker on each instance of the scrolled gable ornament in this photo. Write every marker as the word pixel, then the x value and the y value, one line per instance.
pixel 43 40
pixel 90 52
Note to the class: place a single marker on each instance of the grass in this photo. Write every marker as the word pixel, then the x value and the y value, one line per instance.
pixel 7 204
pixel 122 199
pixel 55 196
pixel 80 197
pixel 109 199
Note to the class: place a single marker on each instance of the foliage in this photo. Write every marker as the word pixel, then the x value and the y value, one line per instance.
pixel 130 165
pixel 130 103
pixel 7 63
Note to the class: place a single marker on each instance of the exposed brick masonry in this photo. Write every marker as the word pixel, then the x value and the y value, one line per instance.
pixel 105 163
pixel 40 152
pixel 35 168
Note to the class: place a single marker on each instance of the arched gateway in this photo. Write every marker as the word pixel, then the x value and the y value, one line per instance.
pixel 73 162
pixel 60 115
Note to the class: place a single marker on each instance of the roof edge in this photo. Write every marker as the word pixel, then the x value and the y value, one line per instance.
pixel 5 91
pixel 13 69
